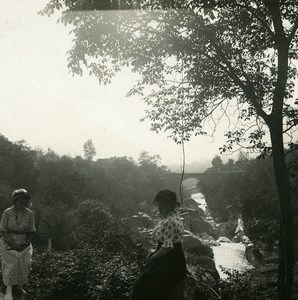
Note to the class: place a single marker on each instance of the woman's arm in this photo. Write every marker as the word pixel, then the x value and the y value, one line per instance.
pixel 7 238
pixel 4 229
pixel 10 242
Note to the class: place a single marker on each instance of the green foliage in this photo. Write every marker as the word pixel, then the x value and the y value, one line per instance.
pixel 223 50
pixel 237 286
pixel 97 228
pixel 217 162
pixel 202 271
pixel 103 263
pixel 55 222
pixel 60 186
pixel 17 166
pixel 89 150
pixel 88 273
pixel 252 193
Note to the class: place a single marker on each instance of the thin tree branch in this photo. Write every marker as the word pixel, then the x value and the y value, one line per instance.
pixel 247 89
pixel 293 32
pixel 289 128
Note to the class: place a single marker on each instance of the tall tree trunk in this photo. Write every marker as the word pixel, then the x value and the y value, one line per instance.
pixel 286 238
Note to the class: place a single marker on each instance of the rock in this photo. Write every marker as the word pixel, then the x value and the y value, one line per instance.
pixel 226 229
pixel 241 238
pixel 223 239
pixel 203 268
pixel 193 244
pixel 197 211
pixel 191 203
pixel 254 256
pixel 142 220
pixel 240 226
pixel 196 223
pixel 207 239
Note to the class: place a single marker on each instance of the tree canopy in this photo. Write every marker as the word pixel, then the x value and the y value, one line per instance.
pixel 197 59
pixel 89 150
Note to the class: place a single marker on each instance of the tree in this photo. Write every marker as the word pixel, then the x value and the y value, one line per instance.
pixel 233 53
pixel 89 150
pixel 217 162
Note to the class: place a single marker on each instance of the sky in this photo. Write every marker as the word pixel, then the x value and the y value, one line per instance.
pixel 43 104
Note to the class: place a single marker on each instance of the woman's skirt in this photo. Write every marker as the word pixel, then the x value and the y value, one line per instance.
pixel 16 265
pixel 160 278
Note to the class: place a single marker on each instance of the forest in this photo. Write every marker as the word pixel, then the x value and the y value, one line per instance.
pixel 93 221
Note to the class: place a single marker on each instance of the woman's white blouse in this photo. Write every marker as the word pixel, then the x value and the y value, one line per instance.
pixel 170 230
pixel 17 227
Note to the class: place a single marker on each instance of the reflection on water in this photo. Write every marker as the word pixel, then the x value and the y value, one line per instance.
pixel 228 255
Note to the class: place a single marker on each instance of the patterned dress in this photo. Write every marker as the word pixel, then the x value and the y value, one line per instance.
pixel 159 278
pixel 16 265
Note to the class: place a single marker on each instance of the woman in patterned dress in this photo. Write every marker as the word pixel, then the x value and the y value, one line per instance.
pixel 165 267
pixel 17 228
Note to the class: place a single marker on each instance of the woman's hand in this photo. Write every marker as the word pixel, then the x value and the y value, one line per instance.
pixel 17 247
pixel 8 239
pixel 24 246
pixel 12 244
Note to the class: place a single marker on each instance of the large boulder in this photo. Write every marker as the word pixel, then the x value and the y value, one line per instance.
pixel 223 239
pixel 196 223
pixel 193 244
pixel 207 239
pixel 202 269
pixel 192 204
pixel 142 220
pixel 254 256
pixel 200 265
pixel 226 229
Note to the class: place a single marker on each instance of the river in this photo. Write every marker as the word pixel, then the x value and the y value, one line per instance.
pixel 229 255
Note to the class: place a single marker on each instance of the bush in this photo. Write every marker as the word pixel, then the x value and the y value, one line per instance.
pixel 81 274
pixel 103 265
pixel 238 286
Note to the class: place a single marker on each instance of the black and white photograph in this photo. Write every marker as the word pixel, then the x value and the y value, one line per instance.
pixel 148 150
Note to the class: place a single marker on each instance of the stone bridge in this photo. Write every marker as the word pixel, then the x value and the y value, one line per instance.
pixel 172 181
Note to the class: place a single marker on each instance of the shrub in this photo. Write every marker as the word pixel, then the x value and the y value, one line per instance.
pixel 237 286
pixel 103 265
pixel 81 274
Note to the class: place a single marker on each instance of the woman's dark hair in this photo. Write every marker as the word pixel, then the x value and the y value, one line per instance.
pixel 165 196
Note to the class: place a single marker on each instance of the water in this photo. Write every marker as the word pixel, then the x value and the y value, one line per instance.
pixel 229 255
pixel 200 199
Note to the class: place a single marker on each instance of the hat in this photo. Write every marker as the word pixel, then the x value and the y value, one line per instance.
pixel 20 193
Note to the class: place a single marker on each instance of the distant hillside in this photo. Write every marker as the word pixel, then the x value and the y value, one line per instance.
pixel 192 167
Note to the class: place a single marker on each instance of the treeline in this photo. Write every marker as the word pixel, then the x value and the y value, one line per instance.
pixel 58 185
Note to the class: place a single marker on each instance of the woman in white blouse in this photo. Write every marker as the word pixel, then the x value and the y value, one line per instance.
pixel 165 267
pixel 17 228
